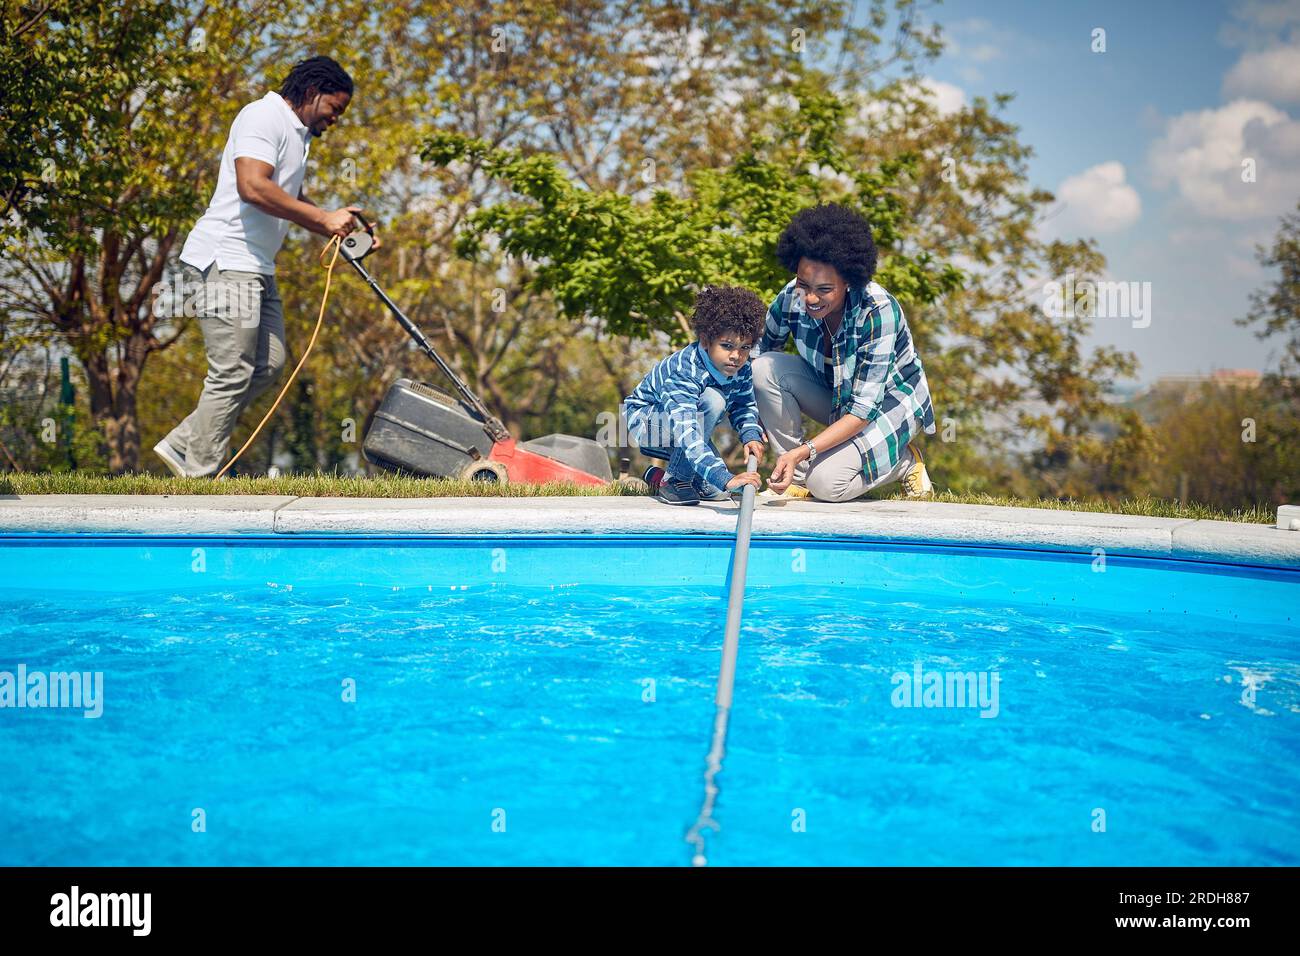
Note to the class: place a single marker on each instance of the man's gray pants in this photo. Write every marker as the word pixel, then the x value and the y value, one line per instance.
pixel 243 331
pixel 785 387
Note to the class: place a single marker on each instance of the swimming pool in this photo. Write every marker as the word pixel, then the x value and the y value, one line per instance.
pixel 484 701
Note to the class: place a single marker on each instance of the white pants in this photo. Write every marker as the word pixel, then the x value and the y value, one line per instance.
pixel 786 388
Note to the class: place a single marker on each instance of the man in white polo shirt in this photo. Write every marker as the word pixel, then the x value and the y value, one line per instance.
pixel 229 257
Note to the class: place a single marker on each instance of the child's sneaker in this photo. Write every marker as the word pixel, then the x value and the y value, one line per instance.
pixel 676 491
pixel 916 483
pixel 708 492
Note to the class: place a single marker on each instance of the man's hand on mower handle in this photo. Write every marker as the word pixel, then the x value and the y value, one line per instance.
pixel 342 222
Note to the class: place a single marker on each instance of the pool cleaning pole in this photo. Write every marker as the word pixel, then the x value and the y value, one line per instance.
pixel 726 673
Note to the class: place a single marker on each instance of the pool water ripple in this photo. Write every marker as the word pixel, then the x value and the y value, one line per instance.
pixel 581 714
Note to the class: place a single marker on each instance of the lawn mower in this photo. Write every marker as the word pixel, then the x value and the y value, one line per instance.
pixel 424 430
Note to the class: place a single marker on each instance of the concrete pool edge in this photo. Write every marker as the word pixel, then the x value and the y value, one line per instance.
pixel 882 521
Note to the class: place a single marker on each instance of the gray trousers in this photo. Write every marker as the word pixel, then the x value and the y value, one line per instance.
pixel 243 332
pixel 786 388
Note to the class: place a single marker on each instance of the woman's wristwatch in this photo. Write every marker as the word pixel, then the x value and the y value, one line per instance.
pixel 812 449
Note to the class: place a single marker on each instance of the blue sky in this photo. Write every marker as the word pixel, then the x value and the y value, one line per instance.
pixel 1143 143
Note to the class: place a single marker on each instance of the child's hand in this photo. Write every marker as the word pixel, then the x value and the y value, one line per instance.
pixel 745 478
pixel 755 448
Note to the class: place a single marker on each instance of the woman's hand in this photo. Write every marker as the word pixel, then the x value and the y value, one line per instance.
pixel 783 473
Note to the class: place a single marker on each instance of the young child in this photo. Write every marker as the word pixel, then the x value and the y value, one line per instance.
pixel 672 413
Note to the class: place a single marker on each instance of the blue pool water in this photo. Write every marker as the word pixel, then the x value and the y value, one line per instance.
pixel 530 701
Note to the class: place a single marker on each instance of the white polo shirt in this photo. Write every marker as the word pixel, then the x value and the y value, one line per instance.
pixel 236 234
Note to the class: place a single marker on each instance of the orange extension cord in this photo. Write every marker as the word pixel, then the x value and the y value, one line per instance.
pixel 329 276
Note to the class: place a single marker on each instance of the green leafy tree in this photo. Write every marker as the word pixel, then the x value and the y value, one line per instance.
pixel 124 107
pixel 676 138
pixel 1225 445
pixel 638 265
pixel 1275 310
pixel 635 265
pixel 72 69
pixel 644 93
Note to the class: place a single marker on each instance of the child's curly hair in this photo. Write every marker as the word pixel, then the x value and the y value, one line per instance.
pixel 835 235
pixel 728 308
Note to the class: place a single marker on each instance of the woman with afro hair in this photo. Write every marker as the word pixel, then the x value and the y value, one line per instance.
pixel 855 369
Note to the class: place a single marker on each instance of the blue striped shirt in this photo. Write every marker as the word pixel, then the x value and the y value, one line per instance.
pixel 672 391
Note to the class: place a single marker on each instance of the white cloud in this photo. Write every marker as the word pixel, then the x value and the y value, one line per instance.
pixel 985 53
pixel 946 97
pixel 979 40
pixel 1097 200
pixel 1256 24
pixel 1202 152
pixel 1194 235
pixel 1272 75
pixel 868 114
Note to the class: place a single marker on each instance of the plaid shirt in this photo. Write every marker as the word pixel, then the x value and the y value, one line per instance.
pixel 874 374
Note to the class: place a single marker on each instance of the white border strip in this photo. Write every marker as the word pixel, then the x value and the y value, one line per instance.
pixel 919 521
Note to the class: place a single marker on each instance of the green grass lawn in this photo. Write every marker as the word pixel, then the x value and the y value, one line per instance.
pixel 307 486
pixel 393 486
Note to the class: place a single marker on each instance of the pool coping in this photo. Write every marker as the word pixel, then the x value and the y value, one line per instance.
pixel 881 521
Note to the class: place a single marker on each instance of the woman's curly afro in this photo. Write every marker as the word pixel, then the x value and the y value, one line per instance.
pixel 835 235
pixel 728 308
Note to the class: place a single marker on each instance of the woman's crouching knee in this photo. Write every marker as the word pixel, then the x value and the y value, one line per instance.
pixel 825 485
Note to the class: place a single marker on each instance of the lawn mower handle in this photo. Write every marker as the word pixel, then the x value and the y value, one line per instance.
pixel 356 247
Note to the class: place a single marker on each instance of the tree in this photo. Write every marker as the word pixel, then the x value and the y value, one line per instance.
pixel 125 130
pixel 1230 446
pixel 643 93
pixel 1227 446
pixel 716 120
pixel 635 264
pixel 69 67
pixel 1020 403
pixel 1276 310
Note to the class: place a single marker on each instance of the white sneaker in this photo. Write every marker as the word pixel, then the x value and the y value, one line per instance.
pixel 173 459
